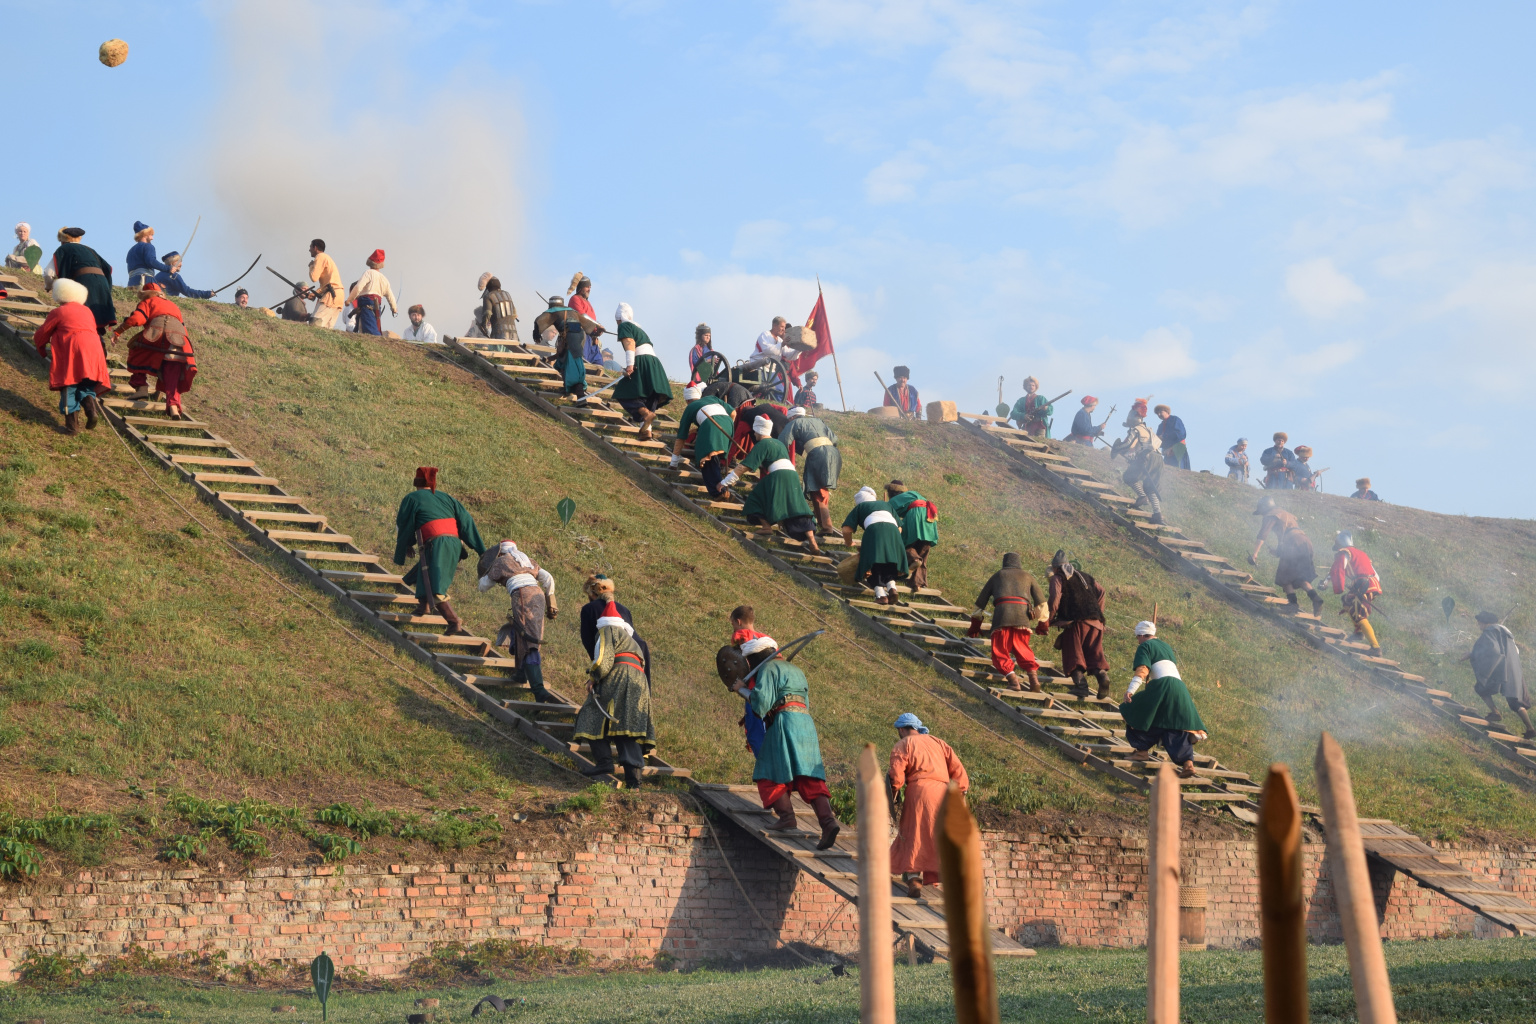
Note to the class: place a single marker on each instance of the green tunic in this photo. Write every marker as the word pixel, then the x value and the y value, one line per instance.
pixel 1161 703
pixel 791 748
pixel 443 553
pixel 650 377
pixel 619 688
pixel 778 495
pixel 915 526
pixel 714 431
pixel 823 463
pixel 882 541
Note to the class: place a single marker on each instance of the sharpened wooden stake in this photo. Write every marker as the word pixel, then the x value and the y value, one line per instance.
pixel 877 970
pixel 1163 899
pixel 965 912
pixel 1352 887
pixel 1282 912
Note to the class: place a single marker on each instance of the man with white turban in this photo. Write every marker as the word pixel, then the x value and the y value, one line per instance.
pixel 645 387
pixel 1158 707
pixel 778 499
pixel 882 556
pixel 707 420
pixel 532 590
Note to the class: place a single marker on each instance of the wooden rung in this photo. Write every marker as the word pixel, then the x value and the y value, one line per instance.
pixel 337 556
pixel 257 498
pixel 187 442
pixel 309 535
pixel 379 597
pixel 361 577
pixel 285 517
pixel 208 460
pixel 236 478
pixel 410 619
pixel 164 423
pixel 451 641
pixel 534 707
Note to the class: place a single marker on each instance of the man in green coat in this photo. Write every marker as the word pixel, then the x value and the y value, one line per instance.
pixel 442 526
pixel 823 462
pixel 778 499
pixel 618 704
pixel 1158 707
pixel 917 516
pixel 645 387
pixel 882 556
pixel 708 420
pixel 789 758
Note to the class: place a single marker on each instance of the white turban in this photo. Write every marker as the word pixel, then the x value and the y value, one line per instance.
pixel 796 412
pixel 762 426
pixel 508 547
pixel 624 313
pixel 761 643
pixel 1145 628
pixel 484 280
pixel 66 290
pixel 864 494
pixel 693 391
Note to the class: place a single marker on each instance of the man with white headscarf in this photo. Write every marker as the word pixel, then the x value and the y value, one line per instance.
pixel 823 462
pixel 789 758
pixel 645 387
pixel 924 766
pixel 778 499
pixel 1158 707
pixel 707 420
pixel 20 258
pixel 532 590
pixel 882 555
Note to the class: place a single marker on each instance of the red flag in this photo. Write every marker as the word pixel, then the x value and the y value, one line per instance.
pixel 817 322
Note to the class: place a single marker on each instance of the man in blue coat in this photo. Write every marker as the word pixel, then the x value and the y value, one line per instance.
pixel 175 287
pixel 1171 433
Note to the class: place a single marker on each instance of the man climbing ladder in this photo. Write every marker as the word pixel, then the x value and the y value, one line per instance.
pixel 442 526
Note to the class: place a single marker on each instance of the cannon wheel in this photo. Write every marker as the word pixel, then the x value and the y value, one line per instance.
pixel 772 381
pixel 711 368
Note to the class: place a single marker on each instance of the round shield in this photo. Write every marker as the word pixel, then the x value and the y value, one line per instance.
pixel 731 664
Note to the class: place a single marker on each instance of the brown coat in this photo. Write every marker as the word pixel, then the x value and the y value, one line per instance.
pixel 1014 594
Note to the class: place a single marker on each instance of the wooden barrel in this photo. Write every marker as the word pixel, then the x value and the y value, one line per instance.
pixel 1192 901
pixel 889 412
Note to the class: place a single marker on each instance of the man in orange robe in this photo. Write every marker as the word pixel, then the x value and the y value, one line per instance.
pixel 925 765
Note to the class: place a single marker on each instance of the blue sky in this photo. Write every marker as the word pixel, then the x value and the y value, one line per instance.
pixel 1274 216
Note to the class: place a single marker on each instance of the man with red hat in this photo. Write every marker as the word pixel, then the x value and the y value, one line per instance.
pixel 442 526
pixel 162 348
pixel 1084 430
pixel 617 710
pixel 369 294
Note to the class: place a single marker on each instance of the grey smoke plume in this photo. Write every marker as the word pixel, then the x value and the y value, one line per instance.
pixel 327 130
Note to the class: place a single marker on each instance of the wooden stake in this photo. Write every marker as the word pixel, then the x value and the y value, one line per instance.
pixel 965 912
pixel 877 982
pixel 1163 899
pixel 1352 887
pixel 1282 912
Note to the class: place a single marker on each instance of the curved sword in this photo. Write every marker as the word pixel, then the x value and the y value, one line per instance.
pixel 242 276
pixel 192 236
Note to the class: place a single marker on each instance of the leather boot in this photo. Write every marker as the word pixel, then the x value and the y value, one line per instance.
pixel 1317 602
pixel 1079 685
pixel 830 826
pixel 602 758
pixel 91 407
pixel 1103 693
pixel 420 609
pixel 140 393
pixel 786 812
pixel 72 423
pixel 455 627
pixel 631 777
pixel 1034 682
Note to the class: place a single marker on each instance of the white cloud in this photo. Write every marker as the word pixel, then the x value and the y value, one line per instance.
pixel 1321 289
pixel 1208 306
pixel 759 238
pixel 895 181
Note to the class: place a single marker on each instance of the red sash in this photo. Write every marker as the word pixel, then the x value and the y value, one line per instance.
pixel 924 503
pixel 439 528
pixel 1010 600
pixel 629 658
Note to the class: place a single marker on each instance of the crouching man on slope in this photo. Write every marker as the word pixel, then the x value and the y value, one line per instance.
pixel 1158 707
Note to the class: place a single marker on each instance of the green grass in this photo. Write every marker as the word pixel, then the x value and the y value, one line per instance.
pixel 1462 981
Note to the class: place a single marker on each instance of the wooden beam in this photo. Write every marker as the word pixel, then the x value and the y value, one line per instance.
pixel 965 912
pixel 1282 911
pixel 877 982
pixel 1163 899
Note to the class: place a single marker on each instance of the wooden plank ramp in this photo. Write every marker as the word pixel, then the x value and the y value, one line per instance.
pixel 1433 870
pixel 1051 462
pixel 285 525
pixel 925 626
pixel 837 868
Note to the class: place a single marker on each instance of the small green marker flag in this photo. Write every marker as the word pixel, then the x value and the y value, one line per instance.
pixel 567 510
pixel 322 972
pixel 1448 606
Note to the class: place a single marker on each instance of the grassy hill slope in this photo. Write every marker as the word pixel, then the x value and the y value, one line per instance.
pixel 344 421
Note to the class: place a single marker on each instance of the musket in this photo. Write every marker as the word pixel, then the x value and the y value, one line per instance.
pixel 1059 397
pixel 894 400
pixel 242 276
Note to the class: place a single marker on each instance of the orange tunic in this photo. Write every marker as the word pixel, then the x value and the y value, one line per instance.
pixel 925 765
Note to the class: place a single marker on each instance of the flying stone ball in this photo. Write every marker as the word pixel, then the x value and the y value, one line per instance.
pixel 113 52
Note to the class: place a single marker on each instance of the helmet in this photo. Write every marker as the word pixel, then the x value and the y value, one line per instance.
pixel 1060 558
pixel 1345 539
pixel 1266 505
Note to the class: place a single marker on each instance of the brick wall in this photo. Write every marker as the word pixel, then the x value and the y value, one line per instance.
pixel 663 889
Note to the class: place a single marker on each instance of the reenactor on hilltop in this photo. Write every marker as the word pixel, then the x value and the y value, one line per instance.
pixel 1276 461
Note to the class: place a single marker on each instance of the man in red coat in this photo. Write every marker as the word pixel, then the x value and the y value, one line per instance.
pixel 1354 577
pixel 162 348
pixel 78 362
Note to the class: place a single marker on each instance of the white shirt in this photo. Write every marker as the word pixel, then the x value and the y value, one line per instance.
pixel 768 345
pixel 374 283
pixel 426 334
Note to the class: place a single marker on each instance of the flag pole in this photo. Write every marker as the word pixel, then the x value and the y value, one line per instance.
pixel 835 368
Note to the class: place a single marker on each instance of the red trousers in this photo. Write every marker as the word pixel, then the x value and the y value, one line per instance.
pixel 1010 644
pixel 808 788
pixel 169 381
